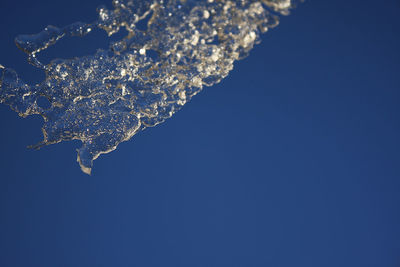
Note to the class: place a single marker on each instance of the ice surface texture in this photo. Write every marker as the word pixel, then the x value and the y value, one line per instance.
pixel 141 80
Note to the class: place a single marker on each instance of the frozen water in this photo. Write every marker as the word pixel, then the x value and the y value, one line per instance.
pixel 142 79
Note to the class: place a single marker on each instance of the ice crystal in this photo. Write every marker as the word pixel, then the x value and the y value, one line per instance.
pixel 142 79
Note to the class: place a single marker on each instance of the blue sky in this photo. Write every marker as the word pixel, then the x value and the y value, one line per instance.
pixel 292 160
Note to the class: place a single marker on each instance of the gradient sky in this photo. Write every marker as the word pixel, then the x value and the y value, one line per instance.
pixel 291 161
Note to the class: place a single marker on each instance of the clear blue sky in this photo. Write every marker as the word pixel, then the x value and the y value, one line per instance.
pixel 293 160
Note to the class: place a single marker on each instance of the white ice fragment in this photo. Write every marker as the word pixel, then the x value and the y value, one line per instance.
pixel 206 14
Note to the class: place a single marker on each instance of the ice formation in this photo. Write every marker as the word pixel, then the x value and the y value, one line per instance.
pixel 142 79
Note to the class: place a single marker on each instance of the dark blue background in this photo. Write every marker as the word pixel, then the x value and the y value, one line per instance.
pixel 293 160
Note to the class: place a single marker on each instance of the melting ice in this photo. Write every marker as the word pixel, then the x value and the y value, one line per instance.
pixel 144 78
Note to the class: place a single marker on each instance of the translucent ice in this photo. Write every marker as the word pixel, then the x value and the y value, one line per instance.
pixel 142 79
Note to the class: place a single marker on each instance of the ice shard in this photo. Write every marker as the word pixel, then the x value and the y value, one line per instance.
pixel 142 79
